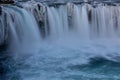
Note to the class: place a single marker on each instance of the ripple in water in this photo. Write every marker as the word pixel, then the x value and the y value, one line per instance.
pixel 91 60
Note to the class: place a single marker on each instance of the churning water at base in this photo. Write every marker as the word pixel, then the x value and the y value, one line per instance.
pixel 81 42
pixel 72 59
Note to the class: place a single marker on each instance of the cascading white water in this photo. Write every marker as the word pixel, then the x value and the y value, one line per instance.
pixel 80 21
pixel 23 28
pixel 87 21
pixel 103 21
pixel 57 20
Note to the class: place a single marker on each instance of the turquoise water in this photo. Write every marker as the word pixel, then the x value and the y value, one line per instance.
pixel 57 61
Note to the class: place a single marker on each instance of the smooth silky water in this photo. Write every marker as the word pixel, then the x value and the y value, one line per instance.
pixel 83 43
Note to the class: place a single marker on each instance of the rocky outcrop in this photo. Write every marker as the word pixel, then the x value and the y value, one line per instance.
pixel 40 14
pixel 6 1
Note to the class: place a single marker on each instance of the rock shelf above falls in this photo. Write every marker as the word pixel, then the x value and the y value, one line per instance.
pixel 6 1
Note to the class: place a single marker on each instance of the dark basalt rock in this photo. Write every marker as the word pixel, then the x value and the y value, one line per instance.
pixel 18 4
pixel 90 15
pixel 6 1
pixel 3 47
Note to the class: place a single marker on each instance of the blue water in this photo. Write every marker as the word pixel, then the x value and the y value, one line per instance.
pixel 67 60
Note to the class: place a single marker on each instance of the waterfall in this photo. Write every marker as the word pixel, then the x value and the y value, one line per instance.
pixel 27 25
pixel 103 21
pixel 57 20
pixel 80 22
pixel 24 32
pixel 73 41
pixel 85 21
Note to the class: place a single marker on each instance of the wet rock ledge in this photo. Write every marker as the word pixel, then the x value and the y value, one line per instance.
pixel 6 1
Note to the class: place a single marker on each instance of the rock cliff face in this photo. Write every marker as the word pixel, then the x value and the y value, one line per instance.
pixel 39 12
pixel 67 0
pixel 6 1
